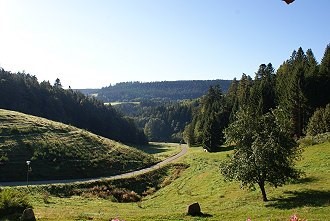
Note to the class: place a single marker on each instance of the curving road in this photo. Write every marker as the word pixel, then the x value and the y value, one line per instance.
pixel 119 176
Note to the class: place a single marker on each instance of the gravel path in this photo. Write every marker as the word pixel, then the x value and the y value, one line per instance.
pixel 119 176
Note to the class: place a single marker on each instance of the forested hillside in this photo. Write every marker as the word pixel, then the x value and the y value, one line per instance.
pixel 161 91
pixel 298 90
pixel 299 87
pixel 161 121
pixel 22 92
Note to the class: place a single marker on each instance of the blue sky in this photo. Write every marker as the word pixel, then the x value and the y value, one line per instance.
pixel 95 43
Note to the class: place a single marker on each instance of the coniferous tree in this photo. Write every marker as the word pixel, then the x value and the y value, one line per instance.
pixel 209 122
pixel 58 83
pixel 244 90
pixel 325 63
pixel 291 90
pixel 231 99
pixel 263 90
pixel 324 78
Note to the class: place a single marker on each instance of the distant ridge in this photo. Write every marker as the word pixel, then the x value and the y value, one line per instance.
pixel 162 90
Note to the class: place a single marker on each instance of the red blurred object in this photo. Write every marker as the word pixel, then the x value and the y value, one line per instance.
pixel 288 1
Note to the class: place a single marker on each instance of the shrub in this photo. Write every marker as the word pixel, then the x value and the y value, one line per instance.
pixel 126 196
pixel 319 122
pixel 312 140
pixel 13 201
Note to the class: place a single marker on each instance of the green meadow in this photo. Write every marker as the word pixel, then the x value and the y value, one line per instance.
pixel 308 198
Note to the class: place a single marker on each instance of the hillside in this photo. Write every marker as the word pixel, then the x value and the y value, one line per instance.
pixel 22 92
pixel 202 182
pixel 164 90
pixel 59 151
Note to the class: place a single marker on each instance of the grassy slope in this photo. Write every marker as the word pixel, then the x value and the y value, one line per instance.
pixel 202 182
pixel 59 151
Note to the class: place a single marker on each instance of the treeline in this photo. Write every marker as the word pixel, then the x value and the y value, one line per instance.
pixel 161 121
pixel 300 88
pixel 22 92
pixel 160 91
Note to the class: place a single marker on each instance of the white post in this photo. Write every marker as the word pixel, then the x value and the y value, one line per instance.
pixel 27 173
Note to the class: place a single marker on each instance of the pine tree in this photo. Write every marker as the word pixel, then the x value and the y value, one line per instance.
pixel 243 90
pixel 263 89
pixel 231 99
pixel 324 79
pixel 291 90
pixel 325 63
pixel 209 121
pixel 213 119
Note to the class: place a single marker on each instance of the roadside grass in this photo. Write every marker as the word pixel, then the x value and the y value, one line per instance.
pixel 309 198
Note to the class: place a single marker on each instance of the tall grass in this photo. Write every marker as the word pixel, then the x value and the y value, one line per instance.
pixel 13 202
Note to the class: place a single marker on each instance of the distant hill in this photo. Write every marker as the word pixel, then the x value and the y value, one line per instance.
pixel 59 151
pixel 164 90
pixel 22 92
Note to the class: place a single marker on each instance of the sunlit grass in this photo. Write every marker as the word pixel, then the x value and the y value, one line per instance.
pixel 60 151
pixel 219 200
pixel 161 150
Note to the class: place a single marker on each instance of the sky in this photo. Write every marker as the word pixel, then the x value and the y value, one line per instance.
pixel 95 43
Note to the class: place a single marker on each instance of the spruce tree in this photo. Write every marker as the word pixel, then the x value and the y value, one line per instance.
pixel 324 80
pixel 291 90
pixel 263 89
pixel 209 121
pixel 213 118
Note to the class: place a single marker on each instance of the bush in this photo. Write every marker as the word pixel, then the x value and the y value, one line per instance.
pixel 312 140
pixel 13 201
pixel 320 121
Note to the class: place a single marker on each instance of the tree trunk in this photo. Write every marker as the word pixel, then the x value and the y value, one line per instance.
pixel 263 191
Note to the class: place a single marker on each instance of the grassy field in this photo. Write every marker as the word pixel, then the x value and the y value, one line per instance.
pixel 309 198
pixel 160 150
pixel 60 151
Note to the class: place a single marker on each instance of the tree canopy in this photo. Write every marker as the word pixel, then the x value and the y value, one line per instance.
pixel 209 121
pixel 265 151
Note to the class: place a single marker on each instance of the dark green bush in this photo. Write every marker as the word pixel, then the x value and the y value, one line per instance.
pixel 320 121
pixel 12 201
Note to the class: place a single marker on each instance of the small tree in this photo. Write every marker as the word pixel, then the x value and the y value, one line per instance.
pixel 58 83
pixel 265 151
pixel 319 122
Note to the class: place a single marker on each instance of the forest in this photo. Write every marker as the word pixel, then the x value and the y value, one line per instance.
pixel 156 91
pixel 300 88
pixel 181 111
pixel 22 92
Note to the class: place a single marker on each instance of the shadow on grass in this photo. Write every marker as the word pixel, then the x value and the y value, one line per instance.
pixel 202 215
pixel 304 180
pixel 296 199
pixel 151 148
pixel 223 149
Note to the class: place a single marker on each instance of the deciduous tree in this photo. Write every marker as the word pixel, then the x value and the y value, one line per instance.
pixel 265 152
